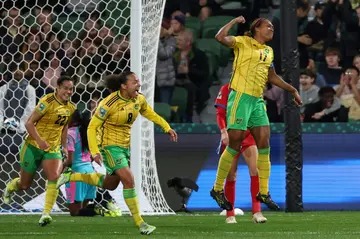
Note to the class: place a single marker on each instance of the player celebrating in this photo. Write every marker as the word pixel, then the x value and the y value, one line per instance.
pixel 47 131
pixel 249 150
pixel 246 109
pixel 114 117
pixel 79 194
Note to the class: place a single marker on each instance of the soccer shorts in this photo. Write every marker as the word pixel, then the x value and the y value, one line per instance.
pixel 79 192
pixel 246 143
pixel 245 111
pixel 31 157
pixel 115 157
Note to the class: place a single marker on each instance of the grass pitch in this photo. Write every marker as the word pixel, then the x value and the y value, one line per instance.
pixel 280 225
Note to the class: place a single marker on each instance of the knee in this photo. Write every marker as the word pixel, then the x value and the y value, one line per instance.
pixel 231 176
pixel 253 171
pixel 54 176
pixel 111 187
pixel 24 185
pixel 74 213
pixel 128 182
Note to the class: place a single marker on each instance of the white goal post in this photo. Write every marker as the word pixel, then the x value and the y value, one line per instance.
pixel 126 37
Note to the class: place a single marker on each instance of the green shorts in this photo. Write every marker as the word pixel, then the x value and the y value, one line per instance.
pixel 31 157
pixel 245 111
pixel 115 157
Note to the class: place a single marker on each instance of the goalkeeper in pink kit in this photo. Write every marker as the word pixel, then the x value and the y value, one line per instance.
pixel 249 151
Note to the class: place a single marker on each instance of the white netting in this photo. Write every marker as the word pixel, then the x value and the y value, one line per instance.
pixel 87 39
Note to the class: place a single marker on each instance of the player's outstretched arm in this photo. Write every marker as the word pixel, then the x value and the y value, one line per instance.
pixel 151 115
pixel 94 124
pixel 223 37
pixel 276 80
pixel 32 131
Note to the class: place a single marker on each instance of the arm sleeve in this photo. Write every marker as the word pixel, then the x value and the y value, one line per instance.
pixel 166 49
pixel 221 117
pixel 238 40
pixel 71 141
pixel 151 115
pixel 42 106
pixel 91 131
pixel 334 107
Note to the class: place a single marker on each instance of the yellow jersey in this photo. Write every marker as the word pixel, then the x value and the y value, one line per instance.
pixel 113 119
pixel 55 115
pixel 251 66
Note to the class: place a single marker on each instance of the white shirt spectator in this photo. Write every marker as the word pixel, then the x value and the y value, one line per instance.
pixel 18 100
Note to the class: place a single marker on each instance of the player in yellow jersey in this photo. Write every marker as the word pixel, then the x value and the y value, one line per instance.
pixel 47 132
pixel 252 69
pixel 109 140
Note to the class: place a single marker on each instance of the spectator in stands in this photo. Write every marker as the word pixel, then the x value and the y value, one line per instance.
pixel 349 92
pixel 203 8
pixel 52 71
pixel 274 98
pixel 17 100
pixel 80 6
pixel 356 62
pixel 69 56
pixel 30 50
pixel 176 7
pixel 12 33
pixel 332 70
pixel 117 59
pixel 326 101
pixel 178 24
pixel 192 72
pixel 165 72
pixel 309 93
pixel 344 30
pixel 304 40
pixel 93 28
pixel 317 31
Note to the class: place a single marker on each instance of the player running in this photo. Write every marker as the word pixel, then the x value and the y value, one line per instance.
pixel 114 118
pixel 47 129
pixel 79 194
pixel 249 151
pixel 252 68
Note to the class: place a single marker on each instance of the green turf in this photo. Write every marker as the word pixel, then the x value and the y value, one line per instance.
pixel 326 225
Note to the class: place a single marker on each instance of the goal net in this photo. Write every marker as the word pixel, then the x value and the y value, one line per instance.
pixel 86 39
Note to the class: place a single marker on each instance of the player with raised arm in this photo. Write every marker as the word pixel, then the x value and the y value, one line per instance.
pixel 252 69
pixel 79 194
pixel 114 118
pixel 47 129
pixel 249 151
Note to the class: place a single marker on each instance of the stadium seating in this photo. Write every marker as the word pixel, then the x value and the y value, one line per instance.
pixel 163 109
pixel 179 99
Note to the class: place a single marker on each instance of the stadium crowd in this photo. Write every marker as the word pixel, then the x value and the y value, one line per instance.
pixel 34 53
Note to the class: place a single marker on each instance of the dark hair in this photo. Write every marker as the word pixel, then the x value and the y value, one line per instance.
pixel 63 78
pixel 81 121
pixel 304 5
pixel 333 51
pixel 114 82
pixel 255 24
pixel 351 68
pixel 308 72
pixel 326 89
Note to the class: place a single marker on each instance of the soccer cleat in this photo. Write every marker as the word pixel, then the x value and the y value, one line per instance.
pixel 221 200
pixel 113 207
pixel 230 220
pixel 64 178
pixel 6 196
pixel 258 218
pixel 146 229
pixel 266 199
pixel 45 219
pixel 99 210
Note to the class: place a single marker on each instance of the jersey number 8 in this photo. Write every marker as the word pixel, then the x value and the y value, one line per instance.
pixel 130 115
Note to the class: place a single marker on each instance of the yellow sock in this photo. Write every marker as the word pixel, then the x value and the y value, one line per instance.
pixel 264 166
pixel 12 186
pixel 224 167
pixel 50 196
pixel 132 202
pixel 95 179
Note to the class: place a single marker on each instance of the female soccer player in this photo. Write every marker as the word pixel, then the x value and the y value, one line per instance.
pixel 246 109
pixel 249 151
pixel 113 120
pixel 47 129
pixel 79 194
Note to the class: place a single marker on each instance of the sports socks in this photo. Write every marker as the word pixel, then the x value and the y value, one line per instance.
pixel 263 165
pixel 230 195
pixel 95 179
pixel 12 186
pixel 132 202
pixel 224 166
pixel 254 189
pixel 50 196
